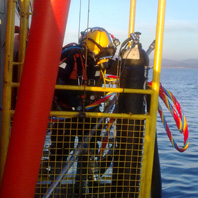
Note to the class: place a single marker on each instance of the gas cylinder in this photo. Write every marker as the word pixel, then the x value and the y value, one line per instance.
pixel 134 73
pixel 127 160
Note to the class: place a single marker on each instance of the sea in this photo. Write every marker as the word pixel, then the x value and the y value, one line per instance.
pixel 179 171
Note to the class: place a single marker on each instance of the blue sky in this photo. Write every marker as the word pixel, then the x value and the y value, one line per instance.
pixel 181 23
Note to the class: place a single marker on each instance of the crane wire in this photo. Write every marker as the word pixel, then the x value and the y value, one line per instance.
pixel 79 21
pixel 86 52
pixel 86 34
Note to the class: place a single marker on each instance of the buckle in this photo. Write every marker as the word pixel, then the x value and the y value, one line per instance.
pixel 91 82
pixel 80 80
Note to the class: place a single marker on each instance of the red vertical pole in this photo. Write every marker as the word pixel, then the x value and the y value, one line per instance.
pixel 34 98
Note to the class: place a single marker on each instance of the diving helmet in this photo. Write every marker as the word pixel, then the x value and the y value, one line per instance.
pixel 99 43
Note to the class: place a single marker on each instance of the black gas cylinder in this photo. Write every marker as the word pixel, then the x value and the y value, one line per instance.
pixel 127 160
pixel 134 75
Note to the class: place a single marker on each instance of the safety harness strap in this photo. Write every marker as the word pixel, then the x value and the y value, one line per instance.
pixel 79 70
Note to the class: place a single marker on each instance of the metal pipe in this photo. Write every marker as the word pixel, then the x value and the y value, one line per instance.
pixel 104 89
pixel 34 98
pixel 98 115
pixel 71 114
pixel 8 67
pixel 24 17
pixel 97 89
pixel 150 134
pixel 132 17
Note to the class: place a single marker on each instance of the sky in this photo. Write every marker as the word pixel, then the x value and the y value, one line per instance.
pixel 180 31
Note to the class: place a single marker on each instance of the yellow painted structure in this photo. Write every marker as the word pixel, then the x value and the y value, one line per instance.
pixel 132 17
pixel 8 70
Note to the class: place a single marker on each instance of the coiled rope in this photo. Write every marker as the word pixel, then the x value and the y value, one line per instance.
pixel 176 113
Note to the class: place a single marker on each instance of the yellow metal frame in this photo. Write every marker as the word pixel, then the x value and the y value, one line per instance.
pixel 150 124
pixel 150 129
pixel 24 17
pixel 43 180
pixel 8 67
pixel 97 89
pixel 8 70
pixel 132 16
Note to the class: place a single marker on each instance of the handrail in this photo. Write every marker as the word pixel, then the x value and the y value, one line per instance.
pixel 147 164
pixel 24 17
pixel 98 89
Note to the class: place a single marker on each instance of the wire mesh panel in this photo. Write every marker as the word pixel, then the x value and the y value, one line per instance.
pixel 91 156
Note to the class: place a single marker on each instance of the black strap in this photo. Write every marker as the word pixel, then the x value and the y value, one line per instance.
pixel 98 45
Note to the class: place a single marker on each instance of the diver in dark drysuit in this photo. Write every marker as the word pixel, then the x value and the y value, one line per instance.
pixel 79 65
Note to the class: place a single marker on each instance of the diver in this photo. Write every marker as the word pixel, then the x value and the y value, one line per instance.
pixel 80 64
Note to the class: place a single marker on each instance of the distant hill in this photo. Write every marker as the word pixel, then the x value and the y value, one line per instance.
pixel 187 63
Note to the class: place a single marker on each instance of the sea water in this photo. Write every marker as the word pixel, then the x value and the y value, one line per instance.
pixel 179 171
